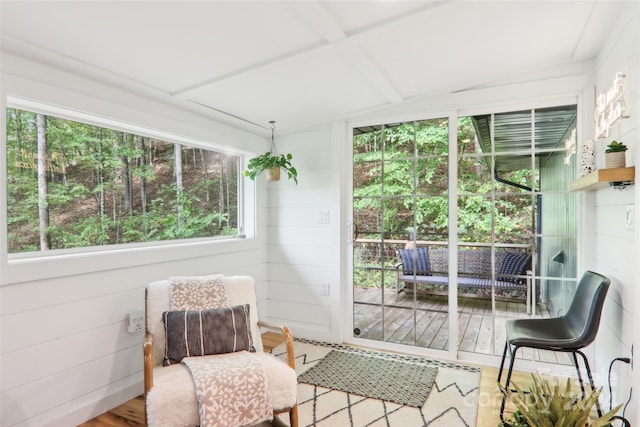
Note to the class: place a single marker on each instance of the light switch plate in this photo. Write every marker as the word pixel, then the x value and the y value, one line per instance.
pixel 629 218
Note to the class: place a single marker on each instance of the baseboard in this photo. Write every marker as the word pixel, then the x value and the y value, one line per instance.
pixel 304 330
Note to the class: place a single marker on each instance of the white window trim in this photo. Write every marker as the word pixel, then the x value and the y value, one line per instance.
pixel 29 266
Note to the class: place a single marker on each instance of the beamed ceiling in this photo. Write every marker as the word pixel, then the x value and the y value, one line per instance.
pixel 303 63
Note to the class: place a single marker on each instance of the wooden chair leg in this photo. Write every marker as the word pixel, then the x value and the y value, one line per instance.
pixel 293 416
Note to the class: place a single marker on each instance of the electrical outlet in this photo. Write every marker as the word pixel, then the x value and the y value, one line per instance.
pixel 135 322
pixel 324 289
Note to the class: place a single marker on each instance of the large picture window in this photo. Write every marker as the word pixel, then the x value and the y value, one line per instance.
pixel 71 184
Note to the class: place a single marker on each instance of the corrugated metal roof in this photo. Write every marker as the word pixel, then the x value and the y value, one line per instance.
pixel 513 131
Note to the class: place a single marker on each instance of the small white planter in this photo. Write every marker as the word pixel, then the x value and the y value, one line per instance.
pixel 615 160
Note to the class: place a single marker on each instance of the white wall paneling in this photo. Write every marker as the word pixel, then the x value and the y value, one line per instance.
pixel 301 248
pixel 65 354
pixel 612 249
pixel 72 311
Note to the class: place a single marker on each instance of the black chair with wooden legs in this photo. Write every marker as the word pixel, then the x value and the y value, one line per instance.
pixel 568 333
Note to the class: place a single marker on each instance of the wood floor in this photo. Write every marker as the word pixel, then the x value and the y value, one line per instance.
pixel 131 413
pixel 475 322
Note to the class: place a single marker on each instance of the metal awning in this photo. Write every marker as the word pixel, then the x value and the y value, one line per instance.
pixel 513 131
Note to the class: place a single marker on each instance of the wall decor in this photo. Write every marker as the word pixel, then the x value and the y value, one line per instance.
pixel 610 107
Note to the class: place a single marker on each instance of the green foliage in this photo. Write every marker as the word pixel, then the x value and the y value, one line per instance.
pixel 370 276
pixel 515 420
pixel 269 160
pixel 401 180
pixel 109 187
pixel 552 405
pixel 615 147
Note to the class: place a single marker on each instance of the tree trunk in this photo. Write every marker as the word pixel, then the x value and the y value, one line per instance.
pixel 177 154
pixel 205 173
pixel 228 191
pixel 221 193
pixel 18 119
pixel 43 202
pixel 126 174
pixel 143 176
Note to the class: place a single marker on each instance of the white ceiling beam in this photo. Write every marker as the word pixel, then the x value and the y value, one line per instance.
pixel 317 18
pixel 369 71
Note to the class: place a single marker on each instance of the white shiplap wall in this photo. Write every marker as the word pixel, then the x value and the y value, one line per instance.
pixel 303 253
pixel 76 321
pixel 613 249
pixel 65 355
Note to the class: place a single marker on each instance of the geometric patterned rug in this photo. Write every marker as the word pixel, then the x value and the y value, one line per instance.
pixel 401 382
pixel 451 402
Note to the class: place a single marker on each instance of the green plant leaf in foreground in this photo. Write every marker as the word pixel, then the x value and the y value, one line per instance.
pixel 547 405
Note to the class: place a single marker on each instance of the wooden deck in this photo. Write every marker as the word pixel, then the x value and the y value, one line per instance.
pixel 475 322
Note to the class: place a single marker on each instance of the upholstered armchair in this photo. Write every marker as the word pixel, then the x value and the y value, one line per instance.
pixel 204 363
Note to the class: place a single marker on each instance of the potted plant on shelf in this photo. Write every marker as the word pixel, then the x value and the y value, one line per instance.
pixel 555 405
pixel 271 162
pixel 614 155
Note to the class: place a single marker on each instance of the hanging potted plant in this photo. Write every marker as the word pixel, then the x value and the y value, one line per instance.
pixel 614 155
pixel 271 163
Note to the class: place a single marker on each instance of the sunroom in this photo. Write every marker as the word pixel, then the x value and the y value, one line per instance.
pixel 457 130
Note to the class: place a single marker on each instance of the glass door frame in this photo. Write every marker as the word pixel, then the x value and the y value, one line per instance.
pixel 452 353
pixel 348 336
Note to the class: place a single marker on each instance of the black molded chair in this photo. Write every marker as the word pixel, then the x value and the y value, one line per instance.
pixel 568 333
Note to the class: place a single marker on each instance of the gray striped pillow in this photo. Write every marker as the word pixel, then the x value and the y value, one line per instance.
pixel 203 332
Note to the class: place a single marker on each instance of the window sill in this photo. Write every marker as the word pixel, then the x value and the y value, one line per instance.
pixel 28 268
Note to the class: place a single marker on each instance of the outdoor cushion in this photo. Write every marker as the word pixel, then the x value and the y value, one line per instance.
pixel 415 261
pixel 514 264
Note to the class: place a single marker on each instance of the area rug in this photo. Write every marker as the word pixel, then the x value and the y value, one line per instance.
pixel 374 377
pixel 452 398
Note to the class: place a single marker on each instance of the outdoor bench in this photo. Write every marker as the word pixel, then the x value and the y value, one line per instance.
pixel 426 270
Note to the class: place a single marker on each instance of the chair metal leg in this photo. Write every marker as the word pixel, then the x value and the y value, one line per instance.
pixel 575 363
pixel 589 377
pixel 504 356
pixel 528 294
pixel 512 355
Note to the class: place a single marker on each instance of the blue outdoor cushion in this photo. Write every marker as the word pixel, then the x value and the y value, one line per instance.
pixel 415 261
pixel 514 264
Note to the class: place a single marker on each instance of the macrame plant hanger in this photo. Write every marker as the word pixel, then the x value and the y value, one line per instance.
pixel 273 174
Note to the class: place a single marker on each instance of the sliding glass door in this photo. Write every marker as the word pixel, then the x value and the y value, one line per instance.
pixel 514 239
pixel 401 211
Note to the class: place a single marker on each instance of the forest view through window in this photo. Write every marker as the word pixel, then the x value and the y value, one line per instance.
pixel 71 185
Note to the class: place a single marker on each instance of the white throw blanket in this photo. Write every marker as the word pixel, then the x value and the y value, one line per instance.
pixel 231 389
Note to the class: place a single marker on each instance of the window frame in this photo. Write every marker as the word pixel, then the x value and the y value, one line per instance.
pixel 46 264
